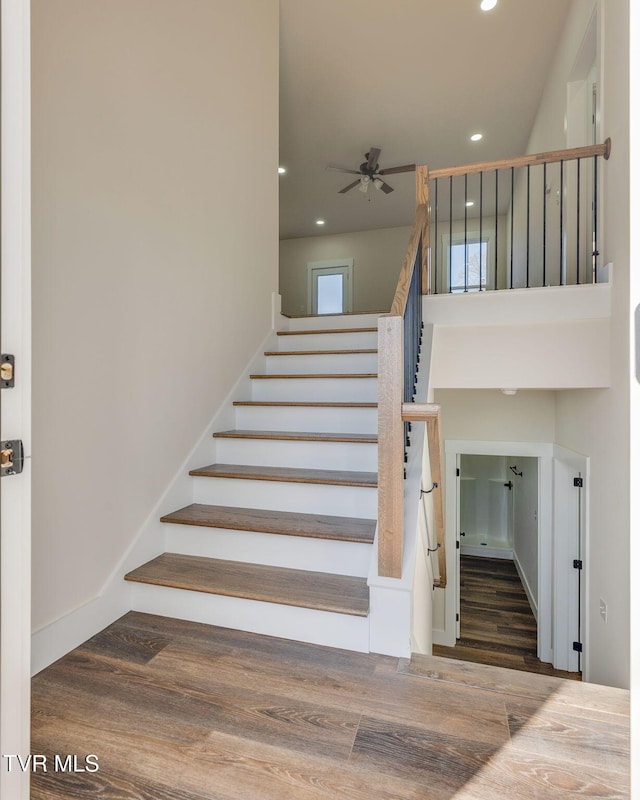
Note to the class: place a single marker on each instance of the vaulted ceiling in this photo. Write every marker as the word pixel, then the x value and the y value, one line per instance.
pixel 414 77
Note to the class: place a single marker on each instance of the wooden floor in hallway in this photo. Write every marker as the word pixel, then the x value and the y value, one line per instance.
pixel 497 625
pixel 177 710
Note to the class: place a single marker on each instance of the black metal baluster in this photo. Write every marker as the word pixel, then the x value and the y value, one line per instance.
pixel 435 243
pixel 595 219
pixel 466 250
pixel 450 230
pixel 528 216
pixel 480 242
pixel 512 216
pixel 578 222
pixel 495 244
pixel 544 224
pixel 560 283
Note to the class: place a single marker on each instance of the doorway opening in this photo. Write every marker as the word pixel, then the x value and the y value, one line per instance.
pixel 330 286
pixel 519 509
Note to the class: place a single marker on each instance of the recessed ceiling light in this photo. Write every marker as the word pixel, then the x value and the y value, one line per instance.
pixel 319 222
pixel 281 170
pixel 469 203
pixel 487 5
pixel 476 137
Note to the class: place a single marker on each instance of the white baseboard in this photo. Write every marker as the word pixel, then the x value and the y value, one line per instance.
pixel 527 588
pixel 58 637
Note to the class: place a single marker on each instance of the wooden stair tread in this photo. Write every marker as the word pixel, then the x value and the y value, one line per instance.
pixel 331 375
pixel 323 591
pixel 329 330
pixel 286 523
pixel 369 351
pixel 302 404
pixel 288 475
pixel 299 436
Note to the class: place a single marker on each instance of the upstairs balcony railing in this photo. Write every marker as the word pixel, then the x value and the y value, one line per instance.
pixel 515 223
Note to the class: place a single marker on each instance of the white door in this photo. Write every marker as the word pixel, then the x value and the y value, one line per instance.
pixel 15 412
pixel 569 524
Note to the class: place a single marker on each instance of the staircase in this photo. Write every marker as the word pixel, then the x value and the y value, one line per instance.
pixel 279 537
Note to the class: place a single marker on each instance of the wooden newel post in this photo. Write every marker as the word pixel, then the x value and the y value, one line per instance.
pixel 422 199
pixel 390 446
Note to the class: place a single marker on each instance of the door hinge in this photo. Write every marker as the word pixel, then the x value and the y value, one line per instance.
pixel 577 563
pixel 11 457
pixel 457 472
pixel 577 646
pixel 7 371
pixel 458 545
pixel 578 483
pixel 457 617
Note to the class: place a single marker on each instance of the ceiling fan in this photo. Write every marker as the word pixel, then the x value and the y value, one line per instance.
pixel 369 173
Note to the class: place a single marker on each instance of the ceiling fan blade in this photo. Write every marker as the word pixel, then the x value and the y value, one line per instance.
pixel 386 188
pixel 343 169
pixel 350 186
pixel 374 155
pixel 395 170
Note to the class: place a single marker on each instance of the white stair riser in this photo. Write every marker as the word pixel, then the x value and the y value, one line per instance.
pixel 356 390
pixel 270 619
pixel 299 418
pixel 274 550
pixel 345 362
pixel 312 455
pixel 326 321
pixel 347 501
pixel 328 341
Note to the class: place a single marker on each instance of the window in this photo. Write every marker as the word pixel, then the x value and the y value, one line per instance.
pixel 330 286
pixel 465 263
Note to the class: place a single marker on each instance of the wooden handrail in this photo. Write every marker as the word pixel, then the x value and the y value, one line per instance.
pixel 404 281
pixel 550 157
pixel 430 413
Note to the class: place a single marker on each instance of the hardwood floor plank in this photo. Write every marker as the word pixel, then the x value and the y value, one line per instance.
pixel 497 626
pixel 299 436
pixel 317 526
pixel 228 715
pixel 444 763
pixel 288 475
pixel 327 330
pixel 368 351
pixel 341 594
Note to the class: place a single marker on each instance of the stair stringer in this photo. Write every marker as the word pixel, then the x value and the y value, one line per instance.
pixel 115 598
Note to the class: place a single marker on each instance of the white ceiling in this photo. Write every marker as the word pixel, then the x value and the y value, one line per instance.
pixel 414 77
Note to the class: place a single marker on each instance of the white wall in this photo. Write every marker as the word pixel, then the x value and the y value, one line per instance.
pixel 525 523
pixel 549 355
pixel 489 415
pixel 377 259
pixel 153 265
pixel 596 422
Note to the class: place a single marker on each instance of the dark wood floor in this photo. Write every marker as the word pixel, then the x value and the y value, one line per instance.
pixel 497 625
pixel 181 711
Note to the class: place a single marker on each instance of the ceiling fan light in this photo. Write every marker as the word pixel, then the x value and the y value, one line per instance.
pixel 378 183
pixel 487 5
pixel 365 180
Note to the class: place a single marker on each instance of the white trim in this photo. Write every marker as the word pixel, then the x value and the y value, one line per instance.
pixel 525 584
pixel 331 266
pixel 15 540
